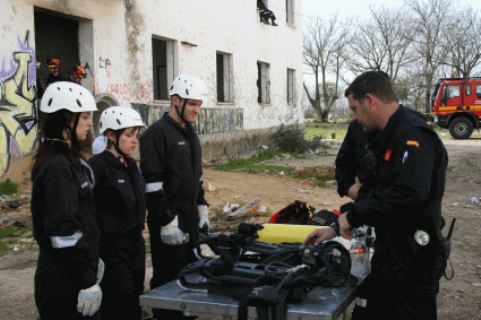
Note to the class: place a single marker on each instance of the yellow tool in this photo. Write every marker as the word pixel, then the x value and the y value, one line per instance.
pixel 276 233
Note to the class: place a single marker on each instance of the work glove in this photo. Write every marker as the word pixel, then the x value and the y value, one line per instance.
pixel 171 234
pixel 203 219
pixel 89 300
pixel 100 271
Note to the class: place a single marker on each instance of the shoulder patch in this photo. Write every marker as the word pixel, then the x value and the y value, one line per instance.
pixel 387 155
pixel 412 143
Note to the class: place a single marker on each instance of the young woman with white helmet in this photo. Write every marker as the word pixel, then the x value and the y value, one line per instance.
pixel 63 212
pixel 119 196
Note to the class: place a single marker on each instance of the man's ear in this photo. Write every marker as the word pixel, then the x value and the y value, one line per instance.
pixel 176 100
pixel 371 100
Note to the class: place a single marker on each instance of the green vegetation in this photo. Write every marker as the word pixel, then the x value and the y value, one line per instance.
pixel 293 139
pixel 8 187
pixel 324 130
pixel 468 161
pixel 10 236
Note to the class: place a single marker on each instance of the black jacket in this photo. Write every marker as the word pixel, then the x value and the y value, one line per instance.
pixel 119 194
pixel 171 164
pixel 352 159
pixel 410 179
pixel 64 217
pixel 51 79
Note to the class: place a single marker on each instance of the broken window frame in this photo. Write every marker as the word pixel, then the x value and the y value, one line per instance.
pixel 290 81
pixel 290 12
pixel 263 82
pixel 161 91
pixel 224 78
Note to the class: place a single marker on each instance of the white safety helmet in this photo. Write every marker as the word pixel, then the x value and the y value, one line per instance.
pixel 69 96
pixel 116 118
pixel 189 87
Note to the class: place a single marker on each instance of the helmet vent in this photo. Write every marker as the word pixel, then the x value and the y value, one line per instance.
pixel 118 121
pixel 187 91
pixel 172 87
pixel 70 89
pixel 79 104
pixel 81 93
pixel 58 88
pixel 50 102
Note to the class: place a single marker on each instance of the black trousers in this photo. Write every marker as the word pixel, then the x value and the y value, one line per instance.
pixel 56 294
pixel 124 277
pixel 167 262
pixel 386 300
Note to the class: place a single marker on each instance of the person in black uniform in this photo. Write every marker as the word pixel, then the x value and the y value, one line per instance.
pixel 170 160
pixel 77 74
pixel 63 212
pixel 119 196
pixel 266 14
pixel 404 205
pixel 53 66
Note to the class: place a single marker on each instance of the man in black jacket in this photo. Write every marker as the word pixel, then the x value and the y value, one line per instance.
pixel 403 203
pixel 170 153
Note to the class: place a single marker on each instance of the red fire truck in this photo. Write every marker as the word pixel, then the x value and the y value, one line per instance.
pixel 456 103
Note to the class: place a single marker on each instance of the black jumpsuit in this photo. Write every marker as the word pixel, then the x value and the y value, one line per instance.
pixel 119 196
pixel 171 164
pixel 65 227
pixel 410 178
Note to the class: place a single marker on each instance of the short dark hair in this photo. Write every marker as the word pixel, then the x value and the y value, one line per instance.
pixel 376 83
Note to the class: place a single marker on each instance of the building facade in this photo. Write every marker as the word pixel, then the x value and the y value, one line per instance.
pixel 133 49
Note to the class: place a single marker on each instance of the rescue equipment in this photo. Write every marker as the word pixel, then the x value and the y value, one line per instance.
pixel 265 275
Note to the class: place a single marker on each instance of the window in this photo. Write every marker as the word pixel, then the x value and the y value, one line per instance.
pixel 224 78
pixel 290 12
pixel 452 91
pixel 263 82
pixel 478 90
pixel 468 90
pixel 290 86
pixel 163 67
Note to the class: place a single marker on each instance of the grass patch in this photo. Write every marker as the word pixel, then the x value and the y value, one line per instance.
pixel 249 163
pixel 325 130
pixel 8 187
pixel 468 161
pixel 450 169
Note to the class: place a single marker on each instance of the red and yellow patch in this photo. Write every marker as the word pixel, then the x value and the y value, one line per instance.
pixel 412 143
pixel 387 155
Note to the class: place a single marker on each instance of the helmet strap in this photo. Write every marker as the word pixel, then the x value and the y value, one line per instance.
pixel 181 114
pixel 117 148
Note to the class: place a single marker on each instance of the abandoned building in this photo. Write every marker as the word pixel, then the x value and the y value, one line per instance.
pixel 133 49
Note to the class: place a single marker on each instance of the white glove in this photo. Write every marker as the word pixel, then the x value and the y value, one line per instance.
pixel 100 271
pixel 171 234
pixel 89 300
pixel 203 218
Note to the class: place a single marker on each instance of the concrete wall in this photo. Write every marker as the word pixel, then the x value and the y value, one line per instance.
pixel 115 45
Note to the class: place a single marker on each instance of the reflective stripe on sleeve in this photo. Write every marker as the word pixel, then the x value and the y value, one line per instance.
pixel 154 186
pixel 59 242
pixel 201 178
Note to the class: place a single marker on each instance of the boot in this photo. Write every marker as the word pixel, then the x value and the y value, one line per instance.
pixel 273 22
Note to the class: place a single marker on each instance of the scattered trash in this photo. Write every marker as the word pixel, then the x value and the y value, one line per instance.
pixel 262 211
pixel 455 204
pixel 230 206
pixel 326 204
pixel 237 197
pixel 304 191
pixel 246 210
pixel 15 248
pixel 282 173
pixel 474 200
pixel 331 182
pixel 27 240
pixel 210 187
pixel 468 206
pixel 477 284
pixel 5 222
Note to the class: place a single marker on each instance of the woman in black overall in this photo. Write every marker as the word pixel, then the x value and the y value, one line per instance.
pixel 119 196
pixel 63 212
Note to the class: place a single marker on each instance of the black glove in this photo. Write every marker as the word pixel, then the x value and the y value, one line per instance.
pixel 347 207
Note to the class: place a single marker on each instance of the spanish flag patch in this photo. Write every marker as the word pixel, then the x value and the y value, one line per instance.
pixel 412 143
pixel 387 155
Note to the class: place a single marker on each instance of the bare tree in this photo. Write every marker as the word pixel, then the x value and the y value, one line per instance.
pixel 431 18
pixel 382 43
pixel 464 51
pixel 323 46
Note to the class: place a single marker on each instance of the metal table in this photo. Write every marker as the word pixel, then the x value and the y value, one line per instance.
pixel 320 303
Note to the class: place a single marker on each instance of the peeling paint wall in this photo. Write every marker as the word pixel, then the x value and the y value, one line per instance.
pixel 115 44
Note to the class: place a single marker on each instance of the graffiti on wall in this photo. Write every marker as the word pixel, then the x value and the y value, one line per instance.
pixel 18 129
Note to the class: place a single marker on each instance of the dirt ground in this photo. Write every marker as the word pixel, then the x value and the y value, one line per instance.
pixel 459 298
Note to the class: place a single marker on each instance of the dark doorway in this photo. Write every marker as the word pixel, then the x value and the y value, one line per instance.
pixel 56 37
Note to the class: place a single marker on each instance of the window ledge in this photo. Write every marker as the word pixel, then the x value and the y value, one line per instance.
pixel 162 102
pixel 265 104
pixel 225 103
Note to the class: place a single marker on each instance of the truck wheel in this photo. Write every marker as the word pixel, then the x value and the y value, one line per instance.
pixel 461 128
